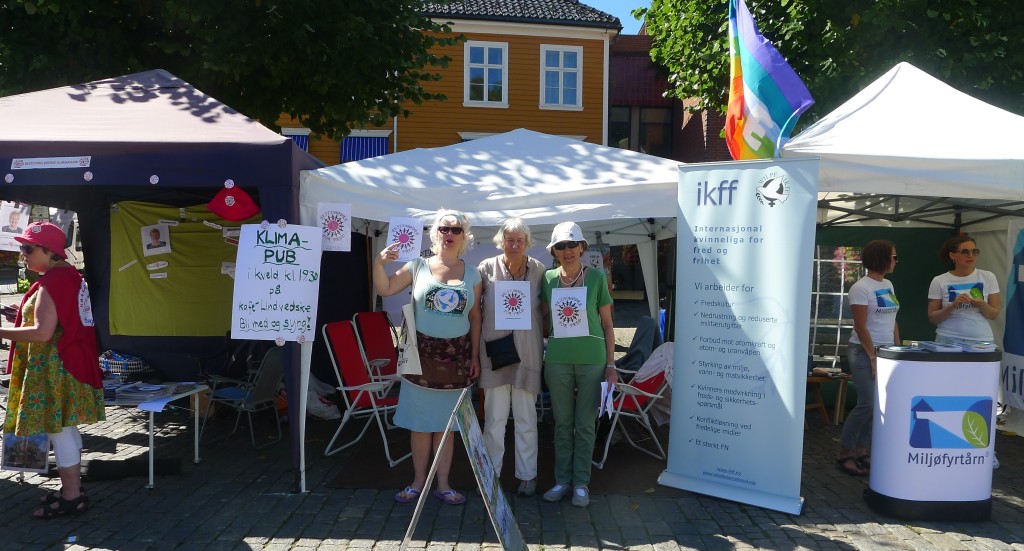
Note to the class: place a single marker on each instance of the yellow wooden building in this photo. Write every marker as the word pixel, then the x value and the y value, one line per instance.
pixel 541 65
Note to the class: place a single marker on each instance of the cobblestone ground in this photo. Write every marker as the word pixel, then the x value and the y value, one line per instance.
pixel 238 498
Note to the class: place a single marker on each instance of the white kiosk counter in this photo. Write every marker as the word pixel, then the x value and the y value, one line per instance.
pixel 934 427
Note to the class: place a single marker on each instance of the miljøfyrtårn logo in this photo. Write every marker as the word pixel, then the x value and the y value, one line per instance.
pixel 962 422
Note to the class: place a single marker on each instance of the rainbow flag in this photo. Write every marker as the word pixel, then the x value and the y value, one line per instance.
pixel 766 97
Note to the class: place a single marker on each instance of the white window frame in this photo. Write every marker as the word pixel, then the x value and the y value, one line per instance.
pixel 504 74
pixel 578 50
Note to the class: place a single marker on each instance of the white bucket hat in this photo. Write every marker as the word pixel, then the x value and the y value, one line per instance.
pixel 566 231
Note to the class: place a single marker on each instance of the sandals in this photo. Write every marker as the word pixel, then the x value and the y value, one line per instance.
pixel 864 461
pixel 63 507
pixel 53 496
pixel 450 497
pixel 408 495
pixel 850 465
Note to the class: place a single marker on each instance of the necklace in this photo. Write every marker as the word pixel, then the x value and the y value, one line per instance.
pixel 518 274
pixel 562 278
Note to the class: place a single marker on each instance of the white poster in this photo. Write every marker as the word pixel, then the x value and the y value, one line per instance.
pixel 745 251
pixel 593 259
pixel 14 217
pixel 336 224
pixel 569 312
pixel 513 305
pixel 277 282
pixel 408 233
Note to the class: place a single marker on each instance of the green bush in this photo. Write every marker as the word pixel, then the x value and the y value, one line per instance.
pixel 23 285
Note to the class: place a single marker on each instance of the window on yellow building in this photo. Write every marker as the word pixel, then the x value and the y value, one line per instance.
pixel 486 72
pixel 561 78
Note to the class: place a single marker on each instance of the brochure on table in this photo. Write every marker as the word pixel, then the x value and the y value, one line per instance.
pixel 745 252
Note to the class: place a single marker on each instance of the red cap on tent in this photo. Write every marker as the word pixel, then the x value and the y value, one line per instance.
pixel 232 203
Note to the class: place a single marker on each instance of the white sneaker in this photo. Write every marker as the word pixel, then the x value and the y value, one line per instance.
pixel 557 492
pixel 581 497
pixel 995 462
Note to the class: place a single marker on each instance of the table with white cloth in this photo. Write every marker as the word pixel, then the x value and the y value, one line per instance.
pixel 152 406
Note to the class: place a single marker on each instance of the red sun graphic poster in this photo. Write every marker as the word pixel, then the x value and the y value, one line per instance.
pixel 408 233
pixel 513 305
pixel 569 312
pixel 335 221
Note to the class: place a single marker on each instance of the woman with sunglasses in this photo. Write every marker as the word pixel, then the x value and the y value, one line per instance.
pixel 446 295
pixel 579 357
pixel 56 382
pixel 962 301
pixel 874 306
pixel 512 385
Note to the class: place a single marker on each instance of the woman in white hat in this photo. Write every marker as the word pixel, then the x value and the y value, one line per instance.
pixel 56 383
pixel 577 311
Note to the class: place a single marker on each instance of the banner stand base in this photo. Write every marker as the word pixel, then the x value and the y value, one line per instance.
pixel 928 510
pixel 775 502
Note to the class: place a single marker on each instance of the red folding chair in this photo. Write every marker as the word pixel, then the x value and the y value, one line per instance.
pixel 377 340
pixel 634 400
pixel 358 390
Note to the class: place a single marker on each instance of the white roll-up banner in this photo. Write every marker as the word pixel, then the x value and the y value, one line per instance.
pixel 745 256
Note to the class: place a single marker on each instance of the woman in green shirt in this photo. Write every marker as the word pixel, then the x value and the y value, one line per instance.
pixel 577 312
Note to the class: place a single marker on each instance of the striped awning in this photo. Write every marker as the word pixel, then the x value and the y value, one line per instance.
pixel 301 141
pixel 357 148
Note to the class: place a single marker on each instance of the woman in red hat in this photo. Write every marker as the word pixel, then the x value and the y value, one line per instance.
pixel 56 383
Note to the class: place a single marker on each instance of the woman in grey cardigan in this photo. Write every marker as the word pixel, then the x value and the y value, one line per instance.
pixel 515 385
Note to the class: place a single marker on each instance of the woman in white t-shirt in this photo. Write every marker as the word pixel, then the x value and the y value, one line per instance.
pixel 874 306
pixel 962 301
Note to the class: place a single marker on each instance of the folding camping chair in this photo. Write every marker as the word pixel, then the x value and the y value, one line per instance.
pixel 248 396
pixel 358 390
pixel 634 400
pixel 377 340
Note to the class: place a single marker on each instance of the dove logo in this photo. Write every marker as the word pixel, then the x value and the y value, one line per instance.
pixel 956 422
pixel 773 189
pixel 446 301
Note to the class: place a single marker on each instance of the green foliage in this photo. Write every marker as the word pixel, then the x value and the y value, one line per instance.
pixel 837 48
pixel 23 285
pixel 333 65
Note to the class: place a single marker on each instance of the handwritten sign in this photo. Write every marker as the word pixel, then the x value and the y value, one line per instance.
pixel 277 282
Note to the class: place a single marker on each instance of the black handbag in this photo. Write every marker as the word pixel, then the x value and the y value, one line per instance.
pixel 502 352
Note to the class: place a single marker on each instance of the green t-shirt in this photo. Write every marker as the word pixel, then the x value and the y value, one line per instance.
pixel 586 350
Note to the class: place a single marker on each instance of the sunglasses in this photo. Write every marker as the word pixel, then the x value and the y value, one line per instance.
pixel 967 252
pixel 454 230
pixel 563 245
pixel 27 249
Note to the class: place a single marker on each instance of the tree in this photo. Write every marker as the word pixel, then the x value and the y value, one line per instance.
pixel 332 65
pixel 838 47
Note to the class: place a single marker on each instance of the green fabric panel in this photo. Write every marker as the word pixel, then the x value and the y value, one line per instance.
pixel 918 251
pixel 195 297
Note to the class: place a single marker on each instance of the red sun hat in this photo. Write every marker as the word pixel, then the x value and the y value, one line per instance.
pixel 45 235
pixel 233 203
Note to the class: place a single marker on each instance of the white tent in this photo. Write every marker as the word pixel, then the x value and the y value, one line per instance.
pixel 909 133
pixel 616 195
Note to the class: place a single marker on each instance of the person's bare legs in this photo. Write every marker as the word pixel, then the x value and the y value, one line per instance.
pixel 422 448
pixel 71 488
pixel 444 460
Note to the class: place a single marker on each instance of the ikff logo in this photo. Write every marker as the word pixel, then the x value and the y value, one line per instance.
pixel 772 189
pixel 958 422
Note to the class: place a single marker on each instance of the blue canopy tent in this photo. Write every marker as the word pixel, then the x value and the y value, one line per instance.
pixel 148 137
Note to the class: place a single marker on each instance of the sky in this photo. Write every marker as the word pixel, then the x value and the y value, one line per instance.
pixel 620 9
